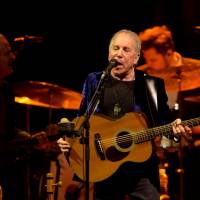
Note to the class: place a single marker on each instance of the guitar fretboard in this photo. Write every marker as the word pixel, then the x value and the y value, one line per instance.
pixel 166 130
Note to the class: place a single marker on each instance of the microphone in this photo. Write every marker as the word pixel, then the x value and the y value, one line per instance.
pixel 29 38
pixel 113 63
pixel 66 128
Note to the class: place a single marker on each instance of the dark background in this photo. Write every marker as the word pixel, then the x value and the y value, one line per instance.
pixel 76 35
pixel 75 42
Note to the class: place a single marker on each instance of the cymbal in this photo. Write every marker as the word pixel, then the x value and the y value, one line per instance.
pixel 46 95
pixel 185 77
pixel 28 101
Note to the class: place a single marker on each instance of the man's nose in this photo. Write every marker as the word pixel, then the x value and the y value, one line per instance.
pixel 120 52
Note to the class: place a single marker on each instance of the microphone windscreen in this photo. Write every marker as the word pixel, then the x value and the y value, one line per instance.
pixel 64 120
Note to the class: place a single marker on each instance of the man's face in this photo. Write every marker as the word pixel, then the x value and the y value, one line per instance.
pixel 155 60
pixel 123 50
pixel 6 58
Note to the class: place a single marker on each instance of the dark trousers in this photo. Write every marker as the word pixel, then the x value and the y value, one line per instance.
pixel 141 190
pixel 13 182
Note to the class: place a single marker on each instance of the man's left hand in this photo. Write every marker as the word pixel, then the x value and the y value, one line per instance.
pixel 180 129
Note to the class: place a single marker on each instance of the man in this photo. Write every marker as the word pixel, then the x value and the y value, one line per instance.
pixel 126 91
pixel 12 163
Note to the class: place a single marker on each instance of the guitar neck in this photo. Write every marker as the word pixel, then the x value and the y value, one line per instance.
pixel 166 130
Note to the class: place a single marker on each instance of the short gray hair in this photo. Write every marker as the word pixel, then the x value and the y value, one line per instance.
pixel 133 34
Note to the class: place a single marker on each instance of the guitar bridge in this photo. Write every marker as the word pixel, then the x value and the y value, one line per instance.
pixel 99 147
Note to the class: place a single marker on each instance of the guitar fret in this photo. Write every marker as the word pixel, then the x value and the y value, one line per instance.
pixel 149 134
pixel 192 122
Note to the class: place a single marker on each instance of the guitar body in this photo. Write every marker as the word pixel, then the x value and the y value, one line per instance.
pixel 111 143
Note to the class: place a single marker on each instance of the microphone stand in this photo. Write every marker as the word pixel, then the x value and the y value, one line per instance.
pixel 85 124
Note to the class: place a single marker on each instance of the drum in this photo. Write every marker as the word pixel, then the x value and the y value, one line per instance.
pixel 61 184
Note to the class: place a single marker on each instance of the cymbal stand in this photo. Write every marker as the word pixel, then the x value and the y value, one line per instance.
pixel 177 107
pixel 28 118
pixel 28 167
pixel 177 104
pixel 50 93
pixel 50 186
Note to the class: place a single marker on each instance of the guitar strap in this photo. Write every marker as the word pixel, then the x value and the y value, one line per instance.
pixel 151 93
pixel 151 85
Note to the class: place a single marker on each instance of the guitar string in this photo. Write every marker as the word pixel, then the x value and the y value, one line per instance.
pixel 136 137
pixel 143 135
pixel 140 136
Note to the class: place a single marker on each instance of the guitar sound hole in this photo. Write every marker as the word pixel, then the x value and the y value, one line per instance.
pixel 113 155
pixel 124 140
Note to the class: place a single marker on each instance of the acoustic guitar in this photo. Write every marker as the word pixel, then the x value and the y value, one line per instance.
pixel 113 142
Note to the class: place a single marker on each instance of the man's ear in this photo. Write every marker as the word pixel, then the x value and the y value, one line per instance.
pixel 137 59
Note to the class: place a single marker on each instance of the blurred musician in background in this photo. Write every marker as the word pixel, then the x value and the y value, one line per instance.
pixel 12 163
pixel 181 76
pixel 161 59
